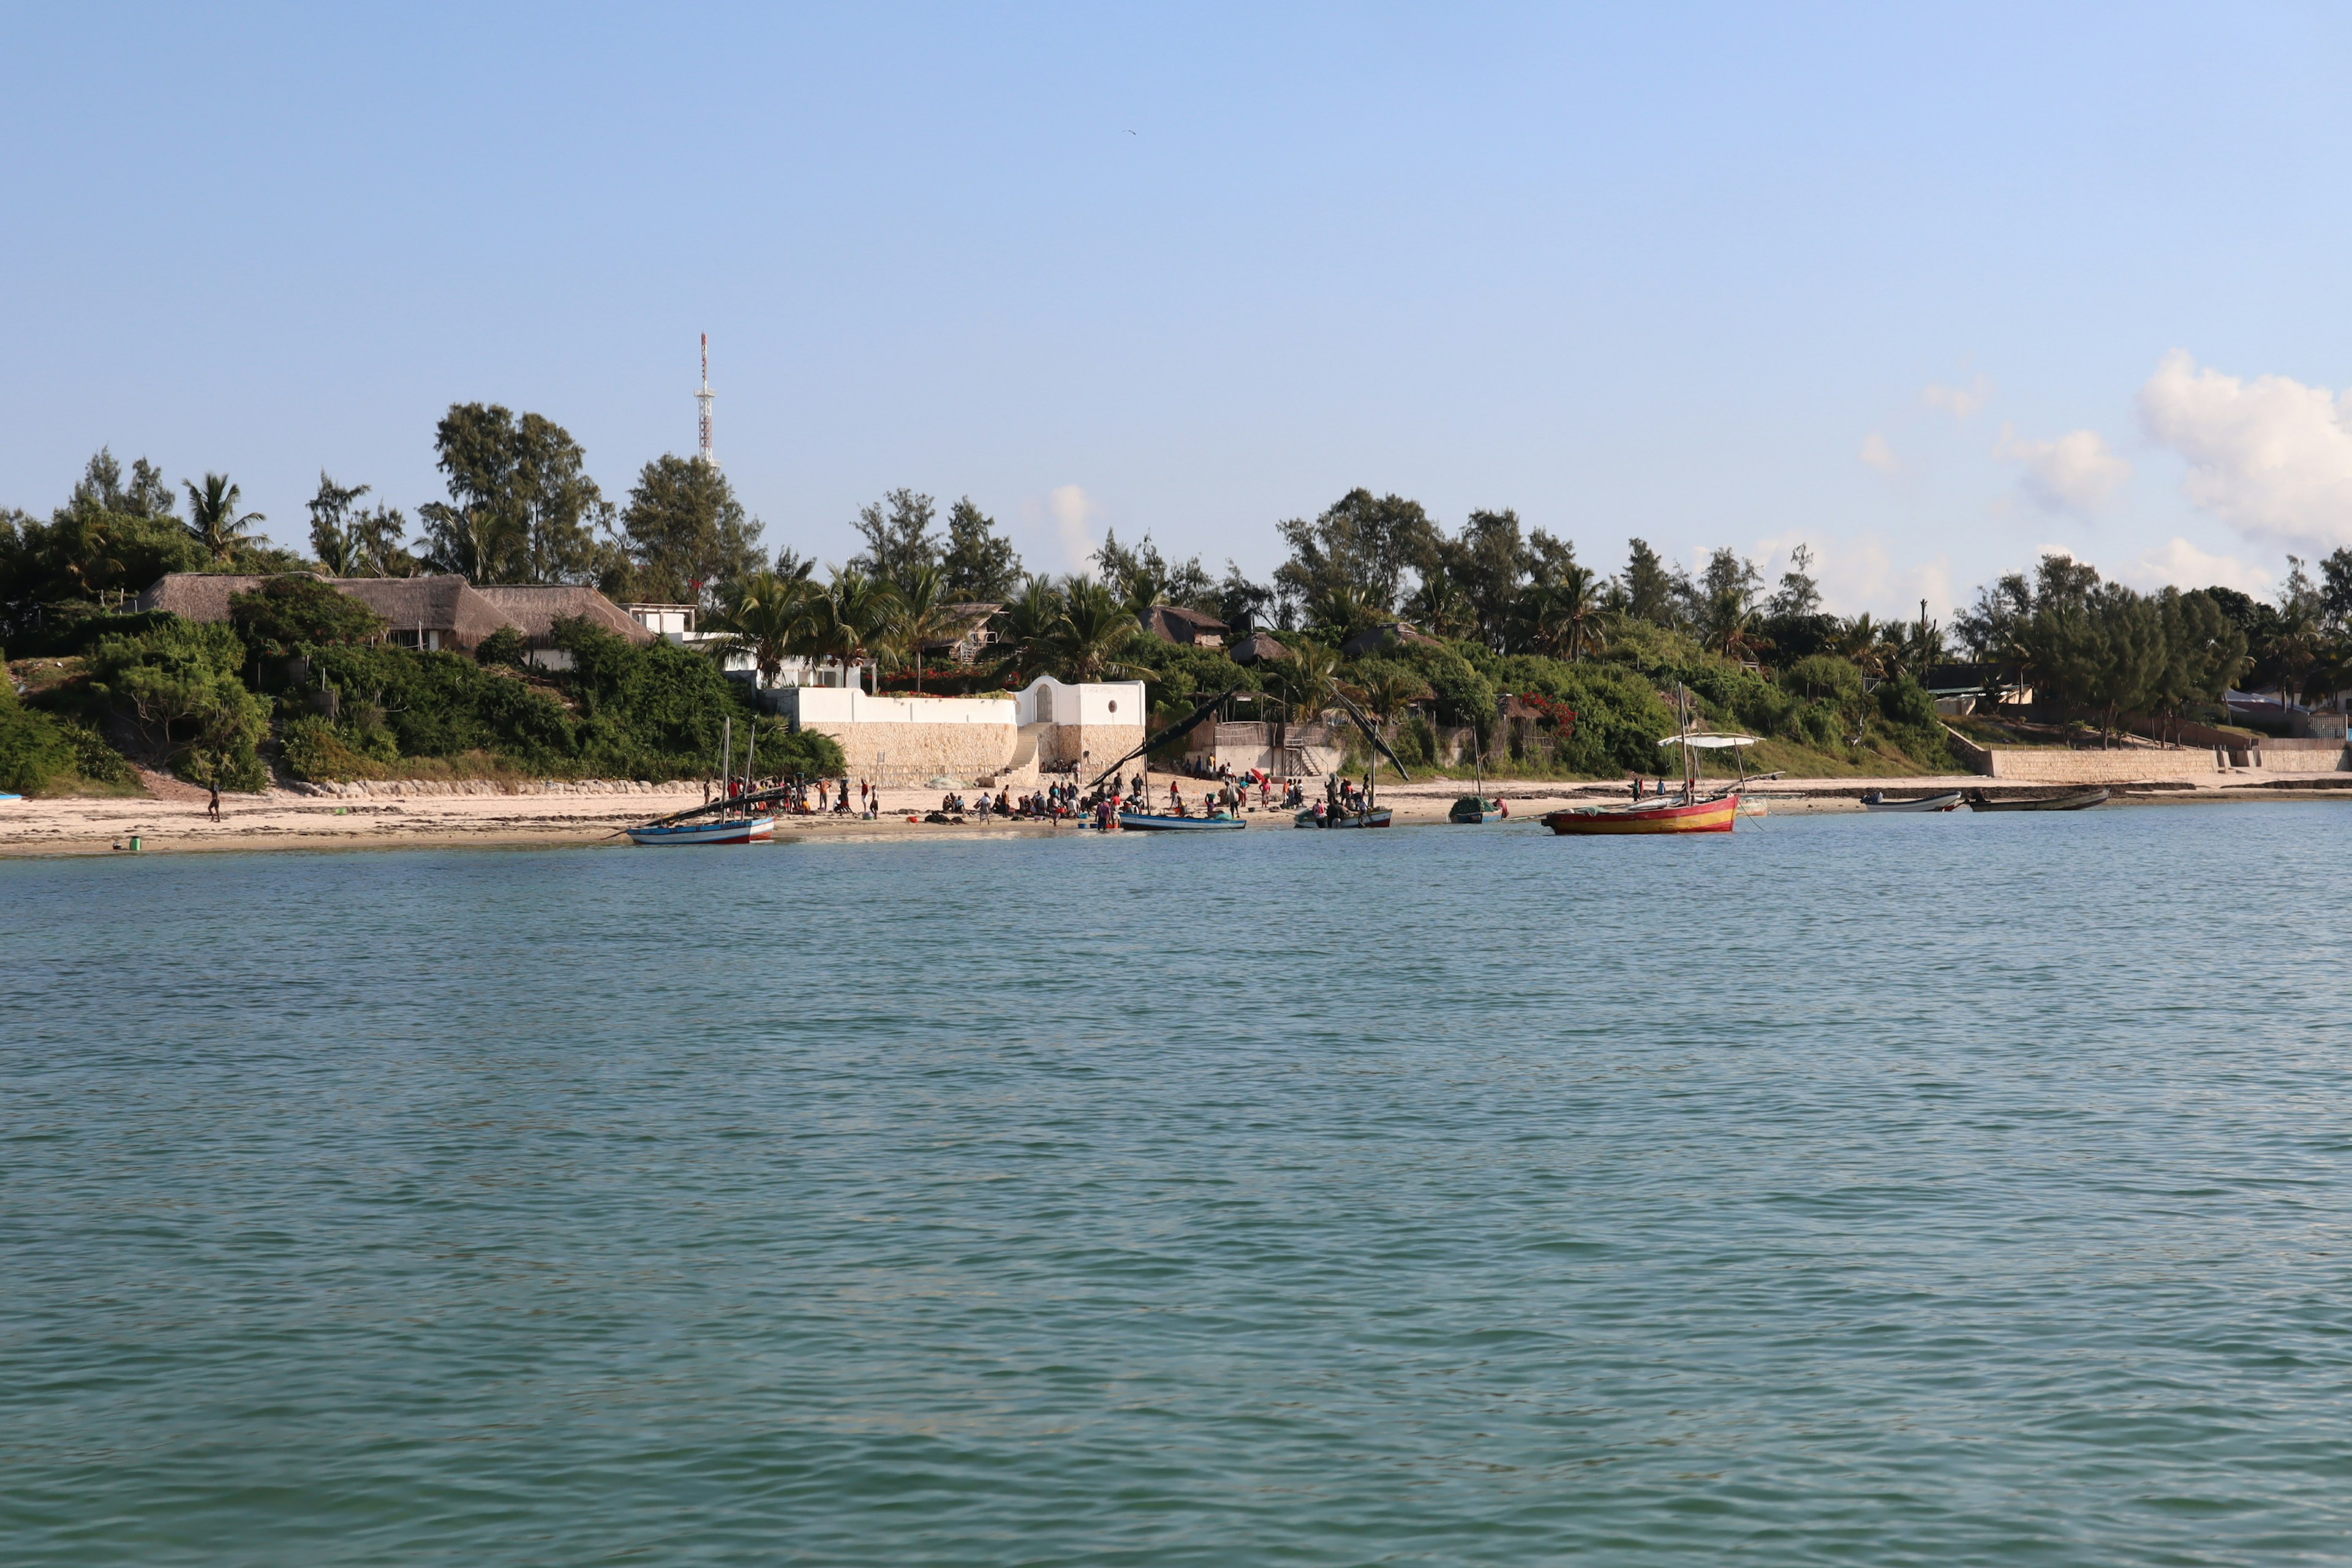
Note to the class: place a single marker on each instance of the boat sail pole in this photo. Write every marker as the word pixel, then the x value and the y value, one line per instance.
pixel 726 756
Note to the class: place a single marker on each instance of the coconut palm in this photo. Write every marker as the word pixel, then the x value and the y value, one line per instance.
pixel 765 617
pixel 1389 692
pixel 1861 640
pixel 1439 606
pixel 1308 681
pixel 917 614
pixel 213 521
pixel 1092 627
pixel 1027 635
pixel 849 618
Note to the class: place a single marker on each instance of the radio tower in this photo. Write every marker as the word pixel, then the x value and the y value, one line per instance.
pixel 702 400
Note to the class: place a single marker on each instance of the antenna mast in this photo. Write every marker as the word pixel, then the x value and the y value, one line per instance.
pixel 702 400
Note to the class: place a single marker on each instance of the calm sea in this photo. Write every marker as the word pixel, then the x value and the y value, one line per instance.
pixel 1931 1190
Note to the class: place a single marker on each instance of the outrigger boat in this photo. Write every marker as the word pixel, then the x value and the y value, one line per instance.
pixel 740 820
pixel 1691 813
pixel 1948 801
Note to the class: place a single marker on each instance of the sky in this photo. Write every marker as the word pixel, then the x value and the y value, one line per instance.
pixel 1928 289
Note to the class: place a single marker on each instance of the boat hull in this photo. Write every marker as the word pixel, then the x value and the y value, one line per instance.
pixel 1151 822
pixel 1948 800
pixel 736 830
pixel 1697 817
pixel 2082 801
pixel 1379 816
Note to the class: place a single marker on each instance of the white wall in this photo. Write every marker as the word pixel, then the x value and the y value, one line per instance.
pixel 1049 702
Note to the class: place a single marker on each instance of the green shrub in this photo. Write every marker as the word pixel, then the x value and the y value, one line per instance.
pixel 505 646
pixel 298 611
pixel 35 752
pixel 178 684
pixel 327 753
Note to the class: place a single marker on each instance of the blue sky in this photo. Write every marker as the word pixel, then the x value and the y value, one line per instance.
pixel 1931 289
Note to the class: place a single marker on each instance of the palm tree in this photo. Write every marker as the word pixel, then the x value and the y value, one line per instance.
pixel 1439 606
pixel 917 614
pixel 1092 627
pixel 1577 600
pixel 1388 693
pixel 1308 681
pixel 213 521
pixel 1029 622
pixel 849 618
pixel 1859 639
pixel 767 618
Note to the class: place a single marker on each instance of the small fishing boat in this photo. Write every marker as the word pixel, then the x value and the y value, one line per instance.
pixel 1948 800
pixel 742 818
pixel 1690 812
pixel 730 830
pixel 1474 808
pixel 2076 800
pixel 1372 816
pixel 1156 822
pixel 6 796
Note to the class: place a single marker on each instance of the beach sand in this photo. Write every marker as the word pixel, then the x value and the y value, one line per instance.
pixel 171 818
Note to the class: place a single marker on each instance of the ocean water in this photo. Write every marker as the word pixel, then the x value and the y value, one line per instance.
pixel 1926 1190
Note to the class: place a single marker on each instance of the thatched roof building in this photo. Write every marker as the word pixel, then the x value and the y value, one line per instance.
pixel 533 611
pixel 442 611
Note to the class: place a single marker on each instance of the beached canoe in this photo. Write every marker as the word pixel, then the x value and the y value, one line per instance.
pixel 1712 816
pixel 732 830
pixel 1152 822
pixel 1948 800
pixel 2078 800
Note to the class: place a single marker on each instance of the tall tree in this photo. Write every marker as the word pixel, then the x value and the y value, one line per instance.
pixel 767 618
pixel 1649 585
pixel 213 521
pixel 897 534
pixel 917 614
pixel 522 507
pixel 1800 593
pixel 332 539
pixel 686 531
pixel 1360 546
pixel 1142 577
pixel 980 565
pixel 1487 562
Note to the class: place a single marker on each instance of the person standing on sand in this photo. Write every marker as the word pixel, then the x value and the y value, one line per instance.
pixel 212 806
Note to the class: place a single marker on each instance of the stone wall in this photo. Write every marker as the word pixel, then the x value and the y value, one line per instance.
pixel 902 753
pixel 2058 765
pixel 1061 745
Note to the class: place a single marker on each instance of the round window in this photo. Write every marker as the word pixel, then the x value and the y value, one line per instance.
pixel 1114 704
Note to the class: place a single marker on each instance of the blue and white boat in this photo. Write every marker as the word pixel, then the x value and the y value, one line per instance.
pixel 731 830
pixel 1152 822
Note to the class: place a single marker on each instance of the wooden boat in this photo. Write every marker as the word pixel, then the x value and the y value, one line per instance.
pixel 1474 808
pixel 1378 816
pixel 1155 822
pixel 1691 812
pixel 1714 815
pixel 2079 800
pixel 1948 800
pixel 729 830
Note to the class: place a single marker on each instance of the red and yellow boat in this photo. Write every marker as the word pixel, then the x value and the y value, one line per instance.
pixel 1688 812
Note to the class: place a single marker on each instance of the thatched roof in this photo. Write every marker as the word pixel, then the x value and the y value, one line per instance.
pixel 198 595
pixel 447 604
pixel 1255 647
pixel 534 611
pixel 1177 624
pixel 1388 633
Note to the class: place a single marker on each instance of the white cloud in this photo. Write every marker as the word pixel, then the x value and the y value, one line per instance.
pixel 1960 402
pixel 2182 564
pixel 2076 473
pixel 1071 508
pixel 1879 455
pixel 2271 456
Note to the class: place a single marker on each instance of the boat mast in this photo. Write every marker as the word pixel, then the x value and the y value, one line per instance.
pixel 727 755
pixel 751 750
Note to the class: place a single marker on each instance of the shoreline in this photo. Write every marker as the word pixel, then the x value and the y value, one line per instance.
pixel 171 820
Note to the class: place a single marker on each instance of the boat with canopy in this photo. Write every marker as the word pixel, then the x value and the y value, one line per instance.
pixel 1687 812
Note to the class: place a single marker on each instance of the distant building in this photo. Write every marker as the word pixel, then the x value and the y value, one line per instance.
pixel 1008 738
pixel 1387 635
pixel 1175 624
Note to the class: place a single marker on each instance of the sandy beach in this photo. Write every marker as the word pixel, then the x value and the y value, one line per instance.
pixel 171 818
